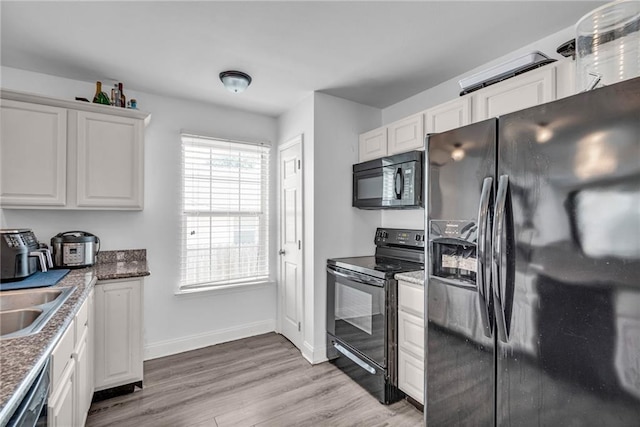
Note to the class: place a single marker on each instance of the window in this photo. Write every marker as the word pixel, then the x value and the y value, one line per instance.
pixel 225 234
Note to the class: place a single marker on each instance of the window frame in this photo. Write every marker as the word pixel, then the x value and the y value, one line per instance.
pixel 264 148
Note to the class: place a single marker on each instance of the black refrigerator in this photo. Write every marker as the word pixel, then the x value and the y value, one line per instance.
pixel 533 266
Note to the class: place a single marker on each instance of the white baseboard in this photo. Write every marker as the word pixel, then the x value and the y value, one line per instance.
pixel 193 342
pixel 314 355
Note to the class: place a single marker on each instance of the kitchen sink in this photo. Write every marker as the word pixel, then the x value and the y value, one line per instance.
pixel 26 311
pixel 14 300
pixel 15 320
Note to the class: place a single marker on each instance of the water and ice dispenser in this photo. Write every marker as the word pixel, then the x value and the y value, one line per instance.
pixel 453 251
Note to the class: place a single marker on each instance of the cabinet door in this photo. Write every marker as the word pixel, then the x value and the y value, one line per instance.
pixel 411 333
pixel 372 144
pixel 33 154
pixel 61 407
pixel 91 345
pixel 406 135
pixel 529 89
pixel 449 115
pixel 411 298
pixel 83 396
pixel 118 333
pixel 62 355
pixel 411 375
pixel 82 356
pixel 110 161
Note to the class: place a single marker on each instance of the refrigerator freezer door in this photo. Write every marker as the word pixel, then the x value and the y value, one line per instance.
pixel 571 356
pixel 460 356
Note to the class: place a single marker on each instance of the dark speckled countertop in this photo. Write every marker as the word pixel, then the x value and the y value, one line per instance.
pixel 21 358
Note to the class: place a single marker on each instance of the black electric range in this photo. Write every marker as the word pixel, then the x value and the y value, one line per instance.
pixel 362 310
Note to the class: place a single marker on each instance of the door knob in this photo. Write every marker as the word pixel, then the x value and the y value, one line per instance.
pixel 281 252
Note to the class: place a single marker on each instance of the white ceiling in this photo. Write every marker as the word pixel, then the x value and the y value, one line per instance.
pixel 374 53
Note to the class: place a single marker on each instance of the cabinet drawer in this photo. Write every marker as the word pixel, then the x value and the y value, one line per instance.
pixel 81 321
pixel 411 333
pixel 411 298
pixel 62 355
pixel 411 375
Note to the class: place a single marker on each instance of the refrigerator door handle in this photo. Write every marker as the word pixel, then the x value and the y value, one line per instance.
pixel 497 255
pixel 483 274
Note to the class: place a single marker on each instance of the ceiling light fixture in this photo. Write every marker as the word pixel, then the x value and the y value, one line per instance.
pixel 235 81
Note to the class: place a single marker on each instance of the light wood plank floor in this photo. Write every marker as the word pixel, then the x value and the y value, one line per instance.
pixel 258 381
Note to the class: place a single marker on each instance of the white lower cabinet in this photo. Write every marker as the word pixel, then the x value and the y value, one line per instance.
pixel 118 346
pixel 61 410
pixel 71 377
pixel 411 375
pixel 83 355
pixel 411 339
pixel 83 394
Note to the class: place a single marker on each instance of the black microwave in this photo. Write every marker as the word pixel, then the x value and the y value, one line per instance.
pixel 393 182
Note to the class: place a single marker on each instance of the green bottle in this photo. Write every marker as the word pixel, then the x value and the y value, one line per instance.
pixel 100 97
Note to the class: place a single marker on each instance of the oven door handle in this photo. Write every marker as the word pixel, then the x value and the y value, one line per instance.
pixel 364 365
pixel 356 277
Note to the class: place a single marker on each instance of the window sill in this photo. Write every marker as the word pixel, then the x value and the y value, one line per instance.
pixel 224 289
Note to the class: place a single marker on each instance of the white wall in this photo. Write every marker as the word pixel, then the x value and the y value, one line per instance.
pixel 173 323
pixel 451 89
pixel 341 230
pixel 299 121
pixel 332 228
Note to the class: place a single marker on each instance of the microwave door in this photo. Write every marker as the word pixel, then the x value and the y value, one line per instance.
pixel 368 188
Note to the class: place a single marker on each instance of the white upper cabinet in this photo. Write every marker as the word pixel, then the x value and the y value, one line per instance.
pixel 532 88
pixel 449 115
pixel 58 154
pixel 372 144
pixel 524 91
pixel 33 153
pixel 110 162
pixel 406 135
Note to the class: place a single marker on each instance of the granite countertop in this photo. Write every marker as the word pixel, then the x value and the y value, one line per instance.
pixel 416 277
pixel 21 358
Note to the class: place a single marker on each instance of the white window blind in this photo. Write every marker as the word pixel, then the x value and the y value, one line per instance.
pixel 225 233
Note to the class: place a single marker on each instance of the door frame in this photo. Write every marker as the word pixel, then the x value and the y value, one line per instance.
pixel 298 139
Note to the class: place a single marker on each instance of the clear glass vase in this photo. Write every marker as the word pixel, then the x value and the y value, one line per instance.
pixel 608 45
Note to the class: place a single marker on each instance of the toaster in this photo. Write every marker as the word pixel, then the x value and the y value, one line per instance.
pixel 21 254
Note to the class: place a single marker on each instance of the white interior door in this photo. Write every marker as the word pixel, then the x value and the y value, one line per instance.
pixel 290 280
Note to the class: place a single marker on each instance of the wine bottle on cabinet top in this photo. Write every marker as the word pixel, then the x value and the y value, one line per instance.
pixel 115 96
pixel 123 99
pixel 100 97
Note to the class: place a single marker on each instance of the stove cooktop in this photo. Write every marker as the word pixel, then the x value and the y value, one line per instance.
pixel 384 268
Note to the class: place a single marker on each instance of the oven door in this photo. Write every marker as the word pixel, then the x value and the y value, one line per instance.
pixel 357 312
